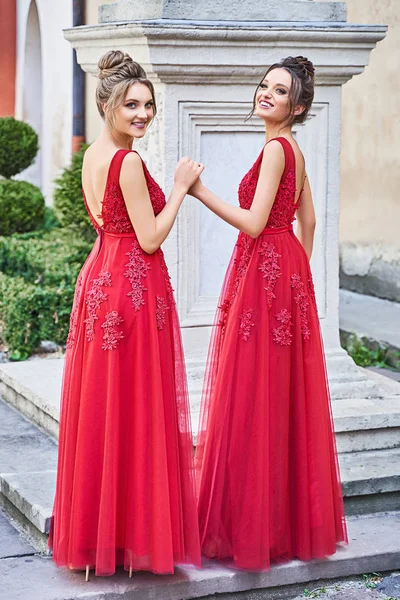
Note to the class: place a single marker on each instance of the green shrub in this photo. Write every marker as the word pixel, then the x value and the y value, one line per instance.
pixel 38 271
pixel 31 313
pixel 68 200
pixel 22 207
pixel 50 258
pixel 18 146
pixel 50 220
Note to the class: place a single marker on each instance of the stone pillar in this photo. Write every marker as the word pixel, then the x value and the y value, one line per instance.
pixel 8 49
pixel 205 72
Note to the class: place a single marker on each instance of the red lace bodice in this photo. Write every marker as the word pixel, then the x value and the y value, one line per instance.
pixel 114 214
pixel 284 208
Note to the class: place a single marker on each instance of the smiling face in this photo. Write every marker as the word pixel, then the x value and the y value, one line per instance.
pixel 133 116
pixel 272 97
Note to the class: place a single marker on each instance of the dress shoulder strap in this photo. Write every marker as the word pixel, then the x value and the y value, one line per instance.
pixel 116 164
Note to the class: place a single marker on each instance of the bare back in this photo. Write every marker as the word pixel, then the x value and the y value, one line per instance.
pixel 95 170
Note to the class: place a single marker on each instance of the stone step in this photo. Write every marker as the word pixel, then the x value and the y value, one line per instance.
pixel 374 546
pixel 28 462
pixel 367 424
pixel 371 479
pixel 370 318
pixel 33 387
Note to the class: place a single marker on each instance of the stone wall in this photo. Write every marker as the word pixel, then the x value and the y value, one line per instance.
pixel 93 120
pixel 370 161
pixel 44 85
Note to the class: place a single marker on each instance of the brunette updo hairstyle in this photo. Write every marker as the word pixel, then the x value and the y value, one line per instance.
pixel 116 73
pixel 302 89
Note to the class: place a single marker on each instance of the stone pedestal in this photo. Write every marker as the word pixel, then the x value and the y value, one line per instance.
pixel 205 59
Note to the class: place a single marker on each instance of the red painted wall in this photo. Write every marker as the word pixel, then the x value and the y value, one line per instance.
pixel 8 56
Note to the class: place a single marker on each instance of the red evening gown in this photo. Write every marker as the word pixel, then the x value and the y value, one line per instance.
pixel 125 490
pixel 267 466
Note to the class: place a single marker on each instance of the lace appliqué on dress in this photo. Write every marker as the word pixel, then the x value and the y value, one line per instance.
pixel 156 194
pixel 282 335
pixel 303 303
pixel 111 335
pixel 95 297
pixel 164 269
pixel 114 214
pixel 311 292
pixel 74 314
pixel 161 310
pixel 136 271
pixel 244 245
pixel 246 323
pixel 247 187
pixel 283 208
pixel 270 269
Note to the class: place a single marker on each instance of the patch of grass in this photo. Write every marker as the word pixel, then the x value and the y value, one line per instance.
pixel 371 580
pixel 368 353
pixel 314 593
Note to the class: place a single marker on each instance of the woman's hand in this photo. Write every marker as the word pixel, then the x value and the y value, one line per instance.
pixel 196 188
pixel 187 172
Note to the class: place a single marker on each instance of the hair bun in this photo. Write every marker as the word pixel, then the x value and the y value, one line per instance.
pixel 306 64
pixel 112 61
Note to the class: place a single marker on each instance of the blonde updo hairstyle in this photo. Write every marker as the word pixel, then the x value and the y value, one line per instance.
pixel 116 73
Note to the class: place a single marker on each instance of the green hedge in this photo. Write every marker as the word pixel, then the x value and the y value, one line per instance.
pixel 31 313
pixel 50 258
pixel 36 304
pixel 69 206
pixel 22 207
pixel 18 146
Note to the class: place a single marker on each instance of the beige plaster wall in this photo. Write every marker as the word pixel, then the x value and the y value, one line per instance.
pixel 370 158
pixel 93 120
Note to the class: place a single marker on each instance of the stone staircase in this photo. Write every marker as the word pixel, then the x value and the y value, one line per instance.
pixel 368 441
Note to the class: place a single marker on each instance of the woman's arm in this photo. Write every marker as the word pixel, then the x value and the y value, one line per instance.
pixel 306 220
pixel 152 230
pixel 250 221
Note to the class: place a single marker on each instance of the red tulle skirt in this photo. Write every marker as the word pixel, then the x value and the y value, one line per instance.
pixel 267 465
pixel 126 485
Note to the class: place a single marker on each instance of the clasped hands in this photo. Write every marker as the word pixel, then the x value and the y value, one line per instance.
pixel 187 176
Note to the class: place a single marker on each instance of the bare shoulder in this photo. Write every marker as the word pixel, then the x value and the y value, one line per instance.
pixel 274 150
pixel 87 162
pixel 273 157
pixel 132 172
pixel 132 168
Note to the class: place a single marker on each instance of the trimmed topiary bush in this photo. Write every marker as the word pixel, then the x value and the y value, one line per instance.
pixel 68 200
pixel 18 146
pixel 22 207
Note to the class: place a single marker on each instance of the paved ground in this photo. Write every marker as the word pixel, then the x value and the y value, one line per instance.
pixel 370 317
pixel 12 542
pixel 374 586
pixel 386 372
pixel 33 577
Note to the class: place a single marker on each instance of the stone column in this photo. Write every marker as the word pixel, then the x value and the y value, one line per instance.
pixel 205 71
pixel 8 48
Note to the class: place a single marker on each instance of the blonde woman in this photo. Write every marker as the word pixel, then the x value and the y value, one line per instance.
pixel 125 492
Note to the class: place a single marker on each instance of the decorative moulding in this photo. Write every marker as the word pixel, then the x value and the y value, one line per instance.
pixel 189 53
pixel 198 118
